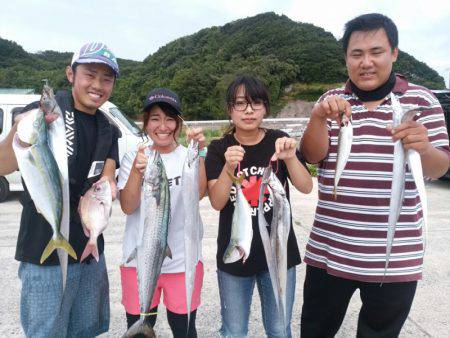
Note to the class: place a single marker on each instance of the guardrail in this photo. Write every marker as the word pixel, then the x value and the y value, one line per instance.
pixel 293 126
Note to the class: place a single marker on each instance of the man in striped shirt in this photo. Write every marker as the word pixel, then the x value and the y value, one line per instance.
pixel 347 246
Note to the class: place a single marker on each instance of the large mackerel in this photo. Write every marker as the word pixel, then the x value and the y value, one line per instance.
pixel 275 246
pixel 192 222
pixel 153 247
pixel 42 176
pixel 399 175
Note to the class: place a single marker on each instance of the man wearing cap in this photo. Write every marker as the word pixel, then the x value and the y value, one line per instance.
pixel 92 151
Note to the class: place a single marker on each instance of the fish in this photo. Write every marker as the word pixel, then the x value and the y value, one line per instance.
pixel 95 209
pixel 415 166
pixel 241 226
pixel 345 140
pixel 57 142
pixel 399 175
pixel 275 245
pixel 153 248
pixel 267 245
pixel 192 223
pixel 41 175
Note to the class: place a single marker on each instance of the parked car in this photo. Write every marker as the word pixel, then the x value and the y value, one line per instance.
pixel 444 98
pixel 12 104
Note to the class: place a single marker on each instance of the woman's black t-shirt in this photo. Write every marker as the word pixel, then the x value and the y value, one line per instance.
pixel 256 158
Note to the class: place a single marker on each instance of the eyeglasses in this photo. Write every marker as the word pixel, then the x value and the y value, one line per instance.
pixel 242 105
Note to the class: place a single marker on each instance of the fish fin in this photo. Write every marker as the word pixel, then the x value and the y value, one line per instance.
pixel 141 327
pixel 236 179
pixel 168 252
pixel 334 194
pixel 91 248
pixel 132 255
pixel 59 242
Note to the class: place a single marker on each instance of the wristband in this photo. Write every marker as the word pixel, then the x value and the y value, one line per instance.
pixel 202 153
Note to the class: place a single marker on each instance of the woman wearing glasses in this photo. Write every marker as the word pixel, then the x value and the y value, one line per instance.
pixel 250 148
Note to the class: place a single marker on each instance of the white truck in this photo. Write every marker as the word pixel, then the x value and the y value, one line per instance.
pixel 12 104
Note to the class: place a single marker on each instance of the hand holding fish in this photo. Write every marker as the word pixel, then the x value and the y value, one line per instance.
pixel 413 135
pixel 140 162
pixel 233 156
pixel 332 107
pixel 285 148
pixel 197 135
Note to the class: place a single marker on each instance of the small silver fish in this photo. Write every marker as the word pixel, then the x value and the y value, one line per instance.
pixel 241 227
pixel 345 140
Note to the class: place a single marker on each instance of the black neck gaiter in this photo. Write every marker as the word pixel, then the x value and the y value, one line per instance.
pixel 376 94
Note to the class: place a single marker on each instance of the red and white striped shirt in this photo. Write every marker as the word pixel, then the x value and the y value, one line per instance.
pixel 348 237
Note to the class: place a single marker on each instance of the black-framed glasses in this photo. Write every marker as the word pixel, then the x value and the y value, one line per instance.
pixel 242 105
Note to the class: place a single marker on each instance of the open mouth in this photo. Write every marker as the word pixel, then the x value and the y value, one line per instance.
pixel 94 96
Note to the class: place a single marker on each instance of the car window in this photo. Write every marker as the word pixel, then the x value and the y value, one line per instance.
pixel 129 124
pixel 14 112
pixel 1 121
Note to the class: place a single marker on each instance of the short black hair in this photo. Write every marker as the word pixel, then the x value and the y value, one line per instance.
pixel 255 90
pixel 371 22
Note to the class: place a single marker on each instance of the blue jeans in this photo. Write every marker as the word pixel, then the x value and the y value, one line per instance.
pixel 236 298
pixel 84 310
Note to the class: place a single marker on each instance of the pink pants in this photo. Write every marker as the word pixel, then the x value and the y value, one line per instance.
pixel 173 285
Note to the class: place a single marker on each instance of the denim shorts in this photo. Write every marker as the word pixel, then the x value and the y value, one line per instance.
pixel 236 299
pixel 84 309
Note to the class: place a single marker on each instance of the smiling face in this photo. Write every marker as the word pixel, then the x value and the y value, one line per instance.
pixel 246 114
pixel 92 85
pixel 369 59
pixel 162 129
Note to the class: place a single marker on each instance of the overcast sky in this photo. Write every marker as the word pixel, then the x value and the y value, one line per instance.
pixel 133 29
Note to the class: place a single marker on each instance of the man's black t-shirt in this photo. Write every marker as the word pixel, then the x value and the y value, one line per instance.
pixel 255 160
pixel 35 232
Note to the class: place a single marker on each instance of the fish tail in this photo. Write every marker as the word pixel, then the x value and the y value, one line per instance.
pixel 91 248
pixel 236 179
pixel 55 243
pixel 335 193
pixel 141 327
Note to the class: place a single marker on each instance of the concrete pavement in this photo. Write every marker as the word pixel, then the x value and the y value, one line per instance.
pixel 429 316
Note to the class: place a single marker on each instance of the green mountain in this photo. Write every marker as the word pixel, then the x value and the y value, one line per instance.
pixel 199 67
